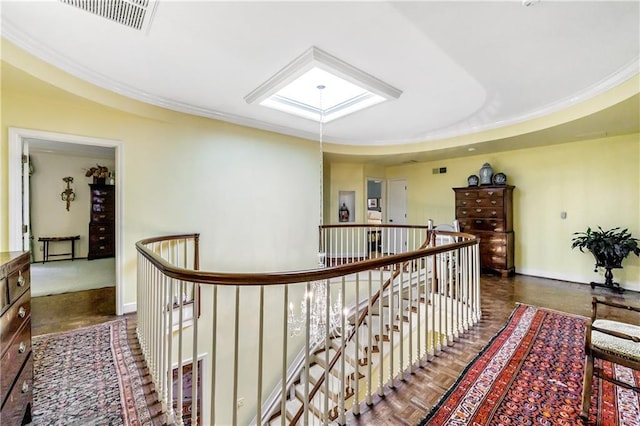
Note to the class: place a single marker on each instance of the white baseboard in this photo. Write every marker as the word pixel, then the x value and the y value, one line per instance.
pixel 128 308
pixel 582 279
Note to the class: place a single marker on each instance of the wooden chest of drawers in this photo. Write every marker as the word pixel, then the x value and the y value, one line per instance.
pixel 487 212
pixel 16 363
pixel 101 225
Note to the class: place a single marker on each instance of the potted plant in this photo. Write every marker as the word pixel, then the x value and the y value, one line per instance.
pixel 99 173
pixel 609 248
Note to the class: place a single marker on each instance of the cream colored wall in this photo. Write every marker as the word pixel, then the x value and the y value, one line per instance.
pixel 49 216
pixel 230 183
pixel 252 195
pixel 596 182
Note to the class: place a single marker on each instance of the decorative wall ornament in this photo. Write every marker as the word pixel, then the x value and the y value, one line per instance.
pixel 68 195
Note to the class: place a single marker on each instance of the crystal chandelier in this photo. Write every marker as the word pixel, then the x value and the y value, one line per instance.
pixel 316 294
pixel 316 297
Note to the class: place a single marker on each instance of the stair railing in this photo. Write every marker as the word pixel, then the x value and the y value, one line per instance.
pixel 169 265
pixel 363 315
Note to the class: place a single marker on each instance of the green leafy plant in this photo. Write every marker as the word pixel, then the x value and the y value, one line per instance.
pixel 609 248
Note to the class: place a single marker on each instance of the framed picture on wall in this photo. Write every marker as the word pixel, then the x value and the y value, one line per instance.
pixel 372 203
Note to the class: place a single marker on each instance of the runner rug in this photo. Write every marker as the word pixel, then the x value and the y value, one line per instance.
pixel 87 377
pixel 531 373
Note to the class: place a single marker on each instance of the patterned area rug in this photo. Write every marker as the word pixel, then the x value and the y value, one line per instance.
pixel 87 377
pixel 531 374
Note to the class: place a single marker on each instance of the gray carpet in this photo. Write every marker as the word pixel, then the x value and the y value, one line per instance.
pixel 65 276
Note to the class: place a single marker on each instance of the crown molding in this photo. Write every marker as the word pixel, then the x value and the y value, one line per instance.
pixel 12 33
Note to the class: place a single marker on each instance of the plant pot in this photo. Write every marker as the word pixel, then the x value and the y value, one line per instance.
pixel 604 261
pixel 99 180
pixel 608 274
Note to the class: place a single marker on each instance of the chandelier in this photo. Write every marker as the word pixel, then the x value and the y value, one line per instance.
pixel 322 314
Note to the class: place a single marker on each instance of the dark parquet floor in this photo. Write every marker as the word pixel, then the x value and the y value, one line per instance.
pixel 412 398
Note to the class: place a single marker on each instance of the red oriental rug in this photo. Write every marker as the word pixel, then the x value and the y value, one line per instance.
pixel 530 373
pixel 88 376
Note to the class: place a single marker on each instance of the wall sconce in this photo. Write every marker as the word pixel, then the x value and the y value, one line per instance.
pixel 68 195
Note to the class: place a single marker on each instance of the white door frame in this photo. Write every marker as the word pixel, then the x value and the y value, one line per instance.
pixel 17 137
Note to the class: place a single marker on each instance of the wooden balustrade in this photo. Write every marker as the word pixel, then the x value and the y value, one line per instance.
pixel 402 303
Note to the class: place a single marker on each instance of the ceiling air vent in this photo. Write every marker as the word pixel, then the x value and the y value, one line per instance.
pixel 134 14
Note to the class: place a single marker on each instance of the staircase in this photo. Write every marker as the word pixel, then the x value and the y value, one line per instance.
pixel 407 306
pixel 341 368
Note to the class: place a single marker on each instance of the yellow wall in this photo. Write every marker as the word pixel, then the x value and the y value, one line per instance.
pixel 254 191
pixel 346 177
pixel 597 182
pixel 253 196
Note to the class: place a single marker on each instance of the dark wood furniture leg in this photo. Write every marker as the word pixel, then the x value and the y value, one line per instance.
pixel 45 246
pixel 45 251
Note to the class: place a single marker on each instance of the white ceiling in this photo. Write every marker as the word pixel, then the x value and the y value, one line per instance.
pixel 463 67
pixel 71 149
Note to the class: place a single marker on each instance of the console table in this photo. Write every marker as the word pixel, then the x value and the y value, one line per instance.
pixel 47 240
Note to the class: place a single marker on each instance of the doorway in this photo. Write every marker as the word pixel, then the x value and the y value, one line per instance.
pixel 375 191
pixel 60 152
pixel 396 215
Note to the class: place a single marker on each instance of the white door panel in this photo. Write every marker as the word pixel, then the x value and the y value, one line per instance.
pixel 396 242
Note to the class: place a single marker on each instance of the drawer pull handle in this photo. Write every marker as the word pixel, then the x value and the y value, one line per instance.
pixel 478 210
pixel 478 200
pixel 490 192
pixel 22 347
pixel 101 229
pixel 101 238
pixel 467 194
pixel 494 212
pixel 464 203
pixel 478 221
pixel 20 280
pixel 22 312
pixel 25 387
pixel 101 247
pixel 464 212
pixel 493 202
pixel 102 216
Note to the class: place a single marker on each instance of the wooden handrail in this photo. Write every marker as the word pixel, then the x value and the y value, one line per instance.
pixel 290 277
pixel 377 225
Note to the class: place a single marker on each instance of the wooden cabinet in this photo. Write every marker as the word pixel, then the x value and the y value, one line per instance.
pixel 102 222
pixel 487 212
pixel 16 362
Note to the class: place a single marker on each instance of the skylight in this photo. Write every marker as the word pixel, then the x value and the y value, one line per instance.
pixel 346 89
